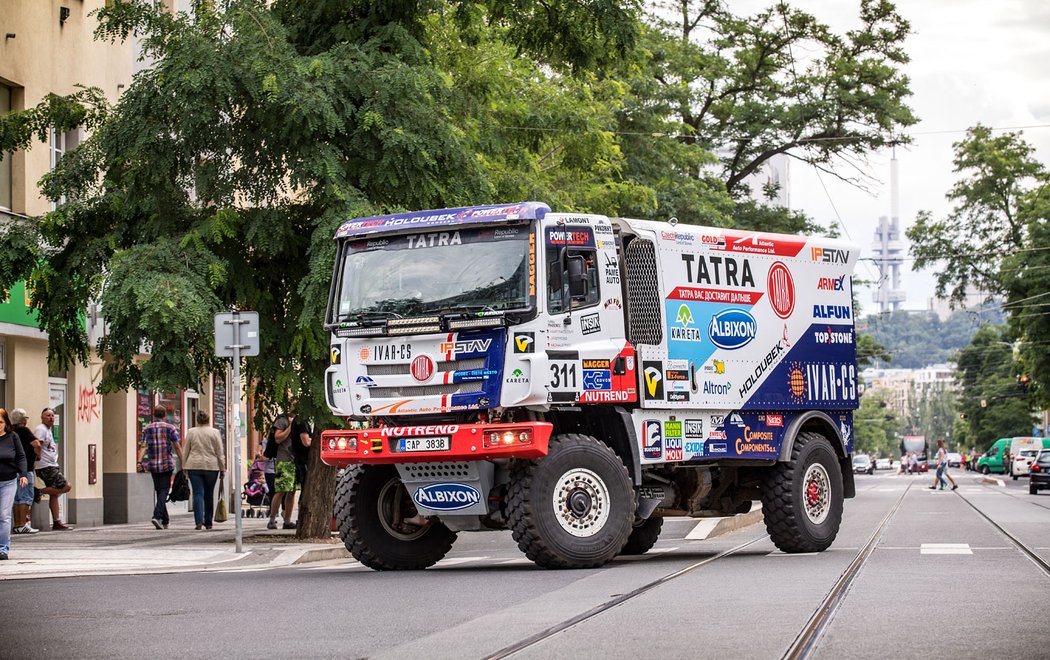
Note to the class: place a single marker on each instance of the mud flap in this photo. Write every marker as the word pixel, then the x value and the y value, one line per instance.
pixel 849 487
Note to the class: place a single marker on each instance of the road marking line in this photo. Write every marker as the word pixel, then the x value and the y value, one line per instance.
pixel 454 561
pixel 656 551
pixel 515 562
pixel 778 553
pixel 945 549
pixel 702 530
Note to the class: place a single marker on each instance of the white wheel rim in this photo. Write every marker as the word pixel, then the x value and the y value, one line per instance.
pixel 389 505
pixel 581 502
pixel 816 493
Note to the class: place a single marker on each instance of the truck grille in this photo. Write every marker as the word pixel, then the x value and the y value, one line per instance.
pixel 425 390
pixel 644 325
pixel 406 369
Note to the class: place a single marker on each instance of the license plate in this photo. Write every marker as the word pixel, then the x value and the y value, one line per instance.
pixel 436 443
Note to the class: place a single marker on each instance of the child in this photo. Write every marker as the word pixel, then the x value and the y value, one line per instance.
pixel 256 487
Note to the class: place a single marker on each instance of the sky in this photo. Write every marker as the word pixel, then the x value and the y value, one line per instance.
pixel 972 61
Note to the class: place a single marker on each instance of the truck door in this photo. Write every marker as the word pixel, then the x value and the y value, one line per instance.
pixel 589 360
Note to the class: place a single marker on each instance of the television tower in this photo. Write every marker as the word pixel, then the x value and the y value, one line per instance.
pixel 889 250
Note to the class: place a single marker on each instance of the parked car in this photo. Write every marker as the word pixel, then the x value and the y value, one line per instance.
pixel 883 464
pixel 954 459
pixel 1039 472
pixel 1023 462
pixel 863 465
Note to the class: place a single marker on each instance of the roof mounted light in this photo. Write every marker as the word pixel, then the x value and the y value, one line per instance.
pixel 485 322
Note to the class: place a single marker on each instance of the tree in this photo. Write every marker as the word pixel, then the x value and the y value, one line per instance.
pixel 989 218
pixel 220 177
pixel 991 402
pixel 875 425
pixel 995 239
pixel 750 87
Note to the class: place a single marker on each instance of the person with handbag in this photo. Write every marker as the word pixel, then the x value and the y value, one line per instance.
pixel 205 461
pixel 13 473
pixel 159 440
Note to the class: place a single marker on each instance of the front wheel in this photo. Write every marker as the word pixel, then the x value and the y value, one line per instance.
pixel 802 498
pixel 984 469
pixel 574 508
pixel 380 525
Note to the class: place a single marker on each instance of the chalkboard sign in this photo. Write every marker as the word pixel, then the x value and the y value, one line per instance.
pixel 218 406
pixel 143 409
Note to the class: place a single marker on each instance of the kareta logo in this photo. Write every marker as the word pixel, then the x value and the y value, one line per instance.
pixel 732 329
pixel 685 317
pixel 680 330
pixel 447 497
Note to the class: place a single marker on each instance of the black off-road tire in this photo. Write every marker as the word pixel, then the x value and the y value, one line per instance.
pixel 1032 489
pixel 787 521
pixel 357 514
pixel 534 522
pixel 643 537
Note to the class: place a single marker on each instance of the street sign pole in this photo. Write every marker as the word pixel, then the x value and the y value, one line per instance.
pixel 237 334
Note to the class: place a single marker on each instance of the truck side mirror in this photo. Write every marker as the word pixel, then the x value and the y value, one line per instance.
pixel 577 281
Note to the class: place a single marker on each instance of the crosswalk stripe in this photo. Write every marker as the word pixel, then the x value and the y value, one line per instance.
pixel 945 549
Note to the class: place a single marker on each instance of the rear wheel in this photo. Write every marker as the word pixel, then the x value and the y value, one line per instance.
pixel 574 508
pixel 802 498
pixel 643 537
pixel 380 525
pixel 1032 489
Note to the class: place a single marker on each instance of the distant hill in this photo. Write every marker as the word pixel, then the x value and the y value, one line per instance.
pixel 918 339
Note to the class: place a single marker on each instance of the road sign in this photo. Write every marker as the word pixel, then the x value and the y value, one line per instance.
pixel 238 330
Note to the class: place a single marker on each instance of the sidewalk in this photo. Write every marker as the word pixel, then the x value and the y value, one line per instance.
pixel 139 548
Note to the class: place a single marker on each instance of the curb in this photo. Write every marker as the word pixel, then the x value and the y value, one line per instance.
pixel 709 528
pixel 322 554
pixel 992 481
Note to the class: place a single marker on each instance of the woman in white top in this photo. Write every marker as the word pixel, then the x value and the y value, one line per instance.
pixel 204 461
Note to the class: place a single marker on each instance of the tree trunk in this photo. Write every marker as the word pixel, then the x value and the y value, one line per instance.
pixel 317 498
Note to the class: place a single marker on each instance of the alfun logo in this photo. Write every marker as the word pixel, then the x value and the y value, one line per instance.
pixel 524 342
pixel 653 373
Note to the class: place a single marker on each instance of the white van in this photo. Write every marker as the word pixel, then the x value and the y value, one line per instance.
pixel 1020 462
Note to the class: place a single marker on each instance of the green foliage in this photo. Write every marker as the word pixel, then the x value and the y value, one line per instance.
pixel 933 415
pixel 992 403
pixel 875 425
pixel 912 340
pixel 992 206
pixel 996 239
pixel 750 87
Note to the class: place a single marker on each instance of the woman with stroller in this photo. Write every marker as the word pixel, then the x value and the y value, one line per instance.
pixel 204 462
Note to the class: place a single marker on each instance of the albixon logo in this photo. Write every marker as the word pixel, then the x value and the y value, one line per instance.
pixel 447 497
pixel 732 329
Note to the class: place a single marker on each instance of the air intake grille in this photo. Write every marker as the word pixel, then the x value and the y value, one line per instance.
pixel 425 390
pixel 406 369
pixel 431 471
pixel 644 325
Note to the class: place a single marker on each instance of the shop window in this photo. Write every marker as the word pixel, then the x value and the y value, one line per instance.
pixel 61 143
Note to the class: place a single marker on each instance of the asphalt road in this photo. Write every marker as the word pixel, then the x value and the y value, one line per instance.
pixel 942 582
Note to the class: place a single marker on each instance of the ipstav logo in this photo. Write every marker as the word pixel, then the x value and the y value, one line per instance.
pixel 732 329
pixel 447 497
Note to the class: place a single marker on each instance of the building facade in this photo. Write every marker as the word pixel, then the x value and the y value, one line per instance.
pixel 47 47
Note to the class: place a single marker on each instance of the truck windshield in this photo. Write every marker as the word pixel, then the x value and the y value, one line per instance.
pixel 471 270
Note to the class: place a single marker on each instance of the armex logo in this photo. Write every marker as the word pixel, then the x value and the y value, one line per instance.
pixel 447 497
pixel 732 329
pixel 831 283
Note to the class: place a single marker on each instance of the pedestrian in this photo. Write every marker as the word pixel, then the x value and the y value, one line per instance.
pixel 292 441
pixel 204 463
pixel 902 467
pixel 942 469
pixel 14 473
pixel 158 441
pixel 46 468
pixel 913 463
pixel 268 467
pixel 24 496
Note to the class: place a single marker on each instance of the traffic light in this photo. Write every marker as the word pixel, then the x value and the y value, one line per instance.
pixel 1024 382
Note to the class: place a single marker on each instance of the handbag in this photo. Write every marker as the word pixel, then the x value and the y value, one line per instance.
pixel 220 508
pixel 180 487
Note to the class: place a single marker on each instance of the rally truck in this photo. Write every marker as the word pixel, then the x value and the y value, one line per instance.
pixel 577 378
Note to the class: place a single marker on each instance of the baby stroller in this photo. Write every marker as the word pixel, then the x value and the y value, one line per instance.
pixel 256 497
